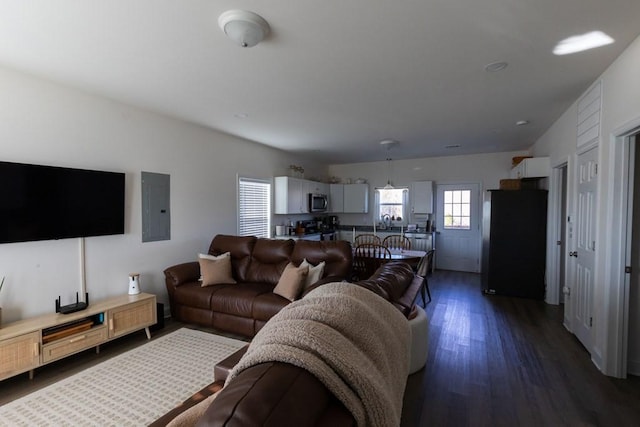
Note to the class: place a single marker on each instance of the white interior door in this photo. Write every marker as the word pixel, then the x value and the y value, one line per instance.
pixel 585 245
pixel 458 226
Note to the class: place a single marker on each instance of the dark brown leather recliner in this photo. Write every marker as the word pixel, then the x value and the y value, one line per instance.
pixel 243 308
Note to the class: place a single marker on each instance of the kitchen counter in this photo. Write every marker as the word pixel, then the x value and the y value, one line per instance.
pixel 391 230
pixel 311 236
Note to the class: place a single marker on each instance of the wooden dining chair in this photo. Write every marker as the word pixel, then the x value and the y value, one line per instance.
pixel 425 266
pixel 367 258
pixel 366 238
pixel 397 241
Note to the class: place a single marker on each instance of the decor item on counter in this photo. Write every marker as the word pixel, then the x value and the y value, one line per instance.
pixel 360 181
pixel 280 230
pixel 245 28
pixel 134 283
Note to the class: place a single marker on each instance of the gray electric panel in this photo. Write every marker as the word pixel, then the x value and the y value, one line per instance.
pixel 156 214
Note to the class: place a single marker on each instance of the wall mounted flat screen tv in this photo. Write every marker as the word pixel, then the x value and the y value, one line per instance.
pixel 47 202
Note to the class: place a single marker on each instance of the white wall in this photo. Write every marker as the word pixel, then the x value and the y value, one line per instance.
pixel 45 123
pixel 620 105
pixel 487 169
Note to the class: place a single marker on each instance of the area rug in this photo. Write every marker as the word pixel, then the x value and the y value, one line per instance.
pixel 131 389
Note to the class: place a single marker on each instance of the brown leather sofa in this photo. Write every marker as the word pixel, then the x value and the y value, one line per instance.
pixel 257 264
pixel 281 394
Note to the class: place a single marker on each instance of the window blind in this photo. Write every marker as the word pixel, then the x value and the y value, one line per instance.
pixel 254 207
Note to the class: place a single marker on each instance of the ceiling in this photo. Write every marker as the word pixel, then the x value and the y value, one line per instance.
pixel 333 78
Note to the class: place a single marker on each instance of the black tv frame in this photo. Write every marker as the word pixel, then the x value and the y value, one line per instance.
pixel 40 202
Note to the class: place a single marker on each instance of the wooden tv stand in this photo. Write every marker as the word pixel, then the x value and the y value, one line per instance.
pixel 30 343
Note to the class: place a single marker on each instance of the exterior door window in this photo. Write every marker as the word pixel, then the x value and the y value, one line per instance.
pixel 457 209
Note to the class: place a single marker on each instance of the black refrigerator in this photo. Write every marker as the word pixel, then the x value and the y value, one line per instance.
pixel 514 243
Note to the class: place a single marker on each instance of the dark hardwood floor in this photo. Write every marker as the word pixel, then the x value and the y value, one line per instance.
pixel 493 361
pixel 500 361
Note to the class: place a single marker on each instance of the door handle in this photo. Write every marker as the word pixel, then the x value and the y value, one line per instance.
pixel 574 254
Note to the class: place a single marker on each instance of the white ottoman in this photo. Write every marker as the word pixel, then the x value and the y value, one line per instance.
pixel 419 340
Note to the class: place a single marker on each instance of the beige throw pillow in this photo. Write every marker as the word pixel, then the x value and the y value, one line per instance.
pixel 291 281
pixel 216 270
pixel 315 273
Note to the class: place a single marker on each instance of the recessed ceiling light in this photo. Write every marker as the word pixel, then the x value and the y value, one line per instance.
pixel 522 122
pixel 495 66
pixel 582 42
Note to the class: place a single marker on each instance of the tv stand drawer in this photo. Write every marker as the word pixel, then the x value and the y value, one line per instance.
pixel 73 344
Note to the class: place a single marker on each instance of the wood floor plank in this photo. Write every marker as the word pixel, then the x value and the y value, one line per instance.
pixel 502 361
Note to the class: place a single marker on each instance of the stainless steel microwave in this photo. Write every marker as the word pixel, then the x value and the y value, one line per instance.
pixel 318 202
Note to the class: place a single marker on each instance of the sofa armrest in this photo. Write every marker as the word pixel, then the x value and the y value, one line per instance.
pixel 276 394
pixel 408 299
pixel 182 273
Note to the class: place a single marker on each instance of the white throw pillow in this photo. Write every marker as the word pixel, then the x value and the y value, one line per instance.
pixel 315 272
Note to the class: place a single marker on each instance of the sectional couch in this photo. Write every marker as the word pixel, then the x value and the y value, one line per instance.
pixel 281 390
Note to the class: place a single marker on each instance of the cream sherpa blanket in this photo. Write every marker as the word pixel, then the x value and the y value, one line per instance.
pixel 356 343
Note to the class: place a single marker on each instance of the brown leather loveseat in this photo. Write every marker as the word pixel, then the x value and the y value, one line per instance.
pixel 257 264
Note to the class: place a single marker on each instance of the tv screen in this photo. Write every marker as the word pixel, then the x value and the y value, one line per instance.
pixel 46 202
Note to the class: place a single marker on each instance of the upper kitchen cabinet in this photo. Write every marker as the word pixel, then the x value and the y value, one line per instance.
pixel 336 198
pixel 290 196
pixel 534 167
pixel 356 198
pixel 422 197
pixel 316 187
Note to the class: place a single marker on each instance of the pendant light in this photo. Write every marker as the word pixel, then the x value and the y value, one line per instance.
pixel 389 186
pixel 387 144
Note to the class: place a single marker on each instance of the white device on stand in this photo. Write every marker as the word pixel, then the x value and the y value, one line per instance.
pixel 134 283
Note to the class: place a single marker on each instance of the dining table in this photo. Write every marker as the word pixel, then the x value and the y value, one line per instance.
pixel 411 257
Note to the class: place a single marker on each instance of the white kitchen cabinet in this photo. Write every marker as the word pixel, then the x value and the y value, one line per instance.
pixel 534 167
pixel 289 195
pixel 422 197
pixel 356 198
pixel 316 187
pixel 336 198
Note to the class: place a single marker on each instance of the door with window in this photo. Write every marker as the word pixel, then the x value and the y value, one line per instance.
pixel 458 226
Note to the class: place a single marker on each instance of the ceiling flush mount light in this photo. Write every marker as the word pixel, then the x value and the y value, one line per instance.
pixel 582 42
pixel 495 66
pixel 388 143
pixel 245 28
